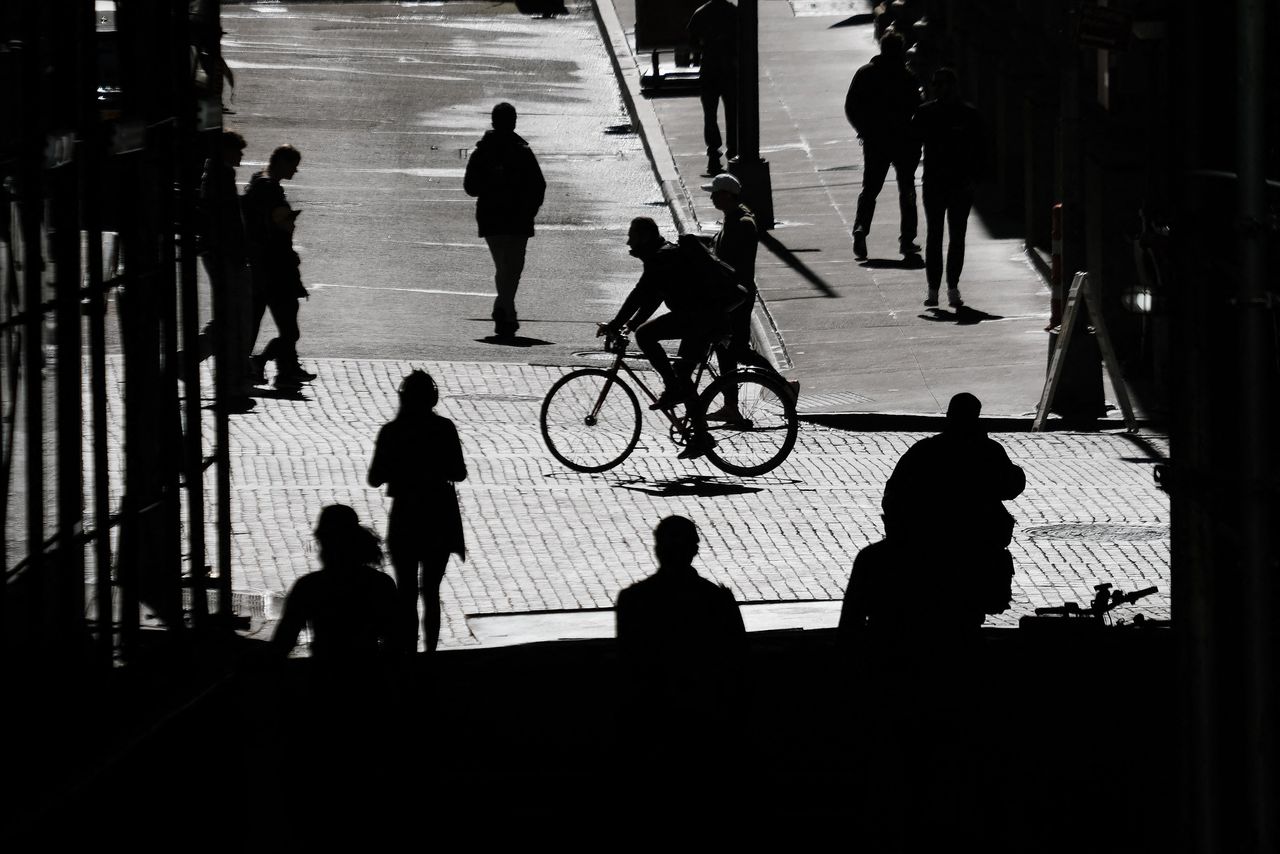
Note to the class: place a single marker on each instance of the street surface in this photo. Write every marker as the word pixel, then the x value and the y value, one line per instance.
pixel 383 101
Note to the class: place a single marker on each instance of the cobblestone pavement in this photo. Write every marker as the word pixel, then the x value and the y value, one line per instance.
pixel 542 538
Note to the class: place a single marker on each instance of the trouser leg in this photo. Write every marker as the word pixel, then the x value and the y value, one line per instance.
pixel 649 338
pixel 904 168
pixel 284 347
pixel 508 251
pixel 729 94
pixel 404 561
pixel 958 205
pixel 935 208
pixel 710 127
pixel 875 165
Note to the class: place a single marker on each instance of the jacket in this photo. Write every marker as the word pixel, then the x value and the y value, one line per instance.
pixel 881 99
pixel 503 175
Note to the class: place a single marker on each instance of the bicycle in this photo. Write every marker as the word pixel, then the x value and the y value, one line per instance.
pixel 1096 615
pixel 591 417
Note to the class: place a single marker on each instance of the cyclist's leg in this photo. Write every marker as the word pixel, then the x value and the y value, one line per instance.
pixel 649 338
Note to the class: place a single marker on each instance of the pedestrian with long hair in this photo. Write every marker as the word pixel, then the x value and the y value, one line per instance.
pixel 419 457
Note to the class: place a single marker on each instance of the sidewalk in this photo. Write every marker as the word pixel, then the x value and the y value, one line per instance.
pixel 855 335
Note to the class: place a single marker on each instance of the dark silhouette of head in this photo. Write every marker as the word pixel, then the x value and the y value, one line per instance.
pixel 643 236
pixel 284 161
pixel 893 48
pixel 344 542
pixel 675 542
pixel 504 117
pixel 946 84
pixel 962 413
pixel 418 394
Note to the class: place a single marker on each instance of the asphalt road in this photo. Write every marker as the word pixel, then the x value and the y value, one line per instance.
pixel 385 101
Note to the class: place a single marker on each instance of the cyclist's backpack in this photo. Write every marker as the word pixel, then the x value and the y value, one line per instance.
pixel 706 270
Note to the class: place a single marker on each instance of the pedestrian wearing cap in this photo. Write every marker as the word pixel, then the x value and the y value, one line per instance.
pixel 736 244
pixel 881 100
pixel 504 177
pixel 713 34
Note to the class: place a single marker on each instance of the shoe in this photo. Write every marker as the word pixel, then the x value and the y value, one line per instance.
pixel 908 247
pixel 297 374
pixel 286 382
pixel 257 370
pixel 714 167
pixel 698 445
pixel 671 397
pixel 953 298
pixel 727 414
pixel 931 298
pixel 859 246
pixel 506 330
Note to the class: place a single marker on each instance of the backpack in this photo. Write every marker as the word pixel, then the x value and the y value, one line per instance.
pixel 704 269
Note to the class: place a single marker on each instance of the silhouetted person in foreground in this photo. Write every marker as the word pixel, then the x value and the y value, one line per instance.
pixel 340 707
pixel 911 652
pixel 269 223
pixel 349 604
pixel 713 36
pixel 882 98
pixel 503 174
pixel 949 490
pixel 682 647
pixel 419 457
pixel 951 132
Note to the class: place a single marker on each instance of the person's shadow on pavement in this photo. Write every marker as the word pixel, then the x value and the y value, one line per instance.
pixel 513 341
pixel 962 316
pixel 914 261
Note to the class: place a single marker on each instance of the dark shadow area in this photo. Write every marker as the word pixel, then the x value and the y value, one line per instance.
pixel 279 394
pixel 1151 454
pixel 962 316
pixel 907 262
pixel 672 90
pixel 541 8
pixel 999 219
pixel 557 757
pixel 513 341
pixel 854 21
pixel 700 486
pixel 540 319
pixel 888 422
pixel 789 258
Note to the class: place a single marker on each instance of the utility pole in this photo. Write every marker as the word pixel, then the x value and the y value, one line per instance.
pixel 748 167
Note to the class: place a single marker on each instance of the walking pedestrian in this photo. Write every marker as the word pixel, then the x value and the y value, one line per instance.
pixel 277 280
pixel 881 100
pixel 951 131
pixel 224 254
pixel 713 36
pixel 419 457
pixel 504 177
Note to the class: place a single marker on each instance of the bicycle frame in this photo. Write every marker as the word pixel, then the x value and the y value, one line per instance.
pixel 620 365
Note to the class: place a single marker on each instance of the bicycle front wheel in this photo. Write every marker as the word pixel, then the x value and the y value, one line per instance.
pixel 590 420
pixel 752 419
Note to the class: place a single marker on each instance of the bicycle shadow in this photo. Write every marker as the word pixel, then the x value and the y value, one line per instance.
pixel 694 486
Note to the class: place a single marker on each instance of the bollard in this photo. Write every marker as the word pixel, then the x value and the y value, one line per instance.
pixel 1055 268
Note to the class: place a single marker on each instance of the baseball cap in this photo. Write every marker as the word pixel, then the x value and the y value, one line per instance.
pixel 724 182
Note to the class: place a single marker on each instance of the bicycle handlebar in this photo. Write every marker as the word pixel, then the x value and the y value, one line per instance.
pixel 1098 607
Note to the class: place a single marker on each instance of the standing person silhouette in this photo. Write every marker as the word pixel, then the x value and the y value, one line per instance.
pixel 419 457
pixel 881 100
pixel 503 174
pixel 951 131
pixel 713 35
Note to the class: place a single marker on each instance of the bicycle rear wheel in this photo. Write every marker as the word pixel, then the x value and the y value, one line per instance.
pixel 590 420
pixel 762 435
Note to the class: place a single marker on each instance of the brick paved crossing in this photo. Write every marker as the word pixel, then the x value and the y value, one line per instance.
pixel 543 539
